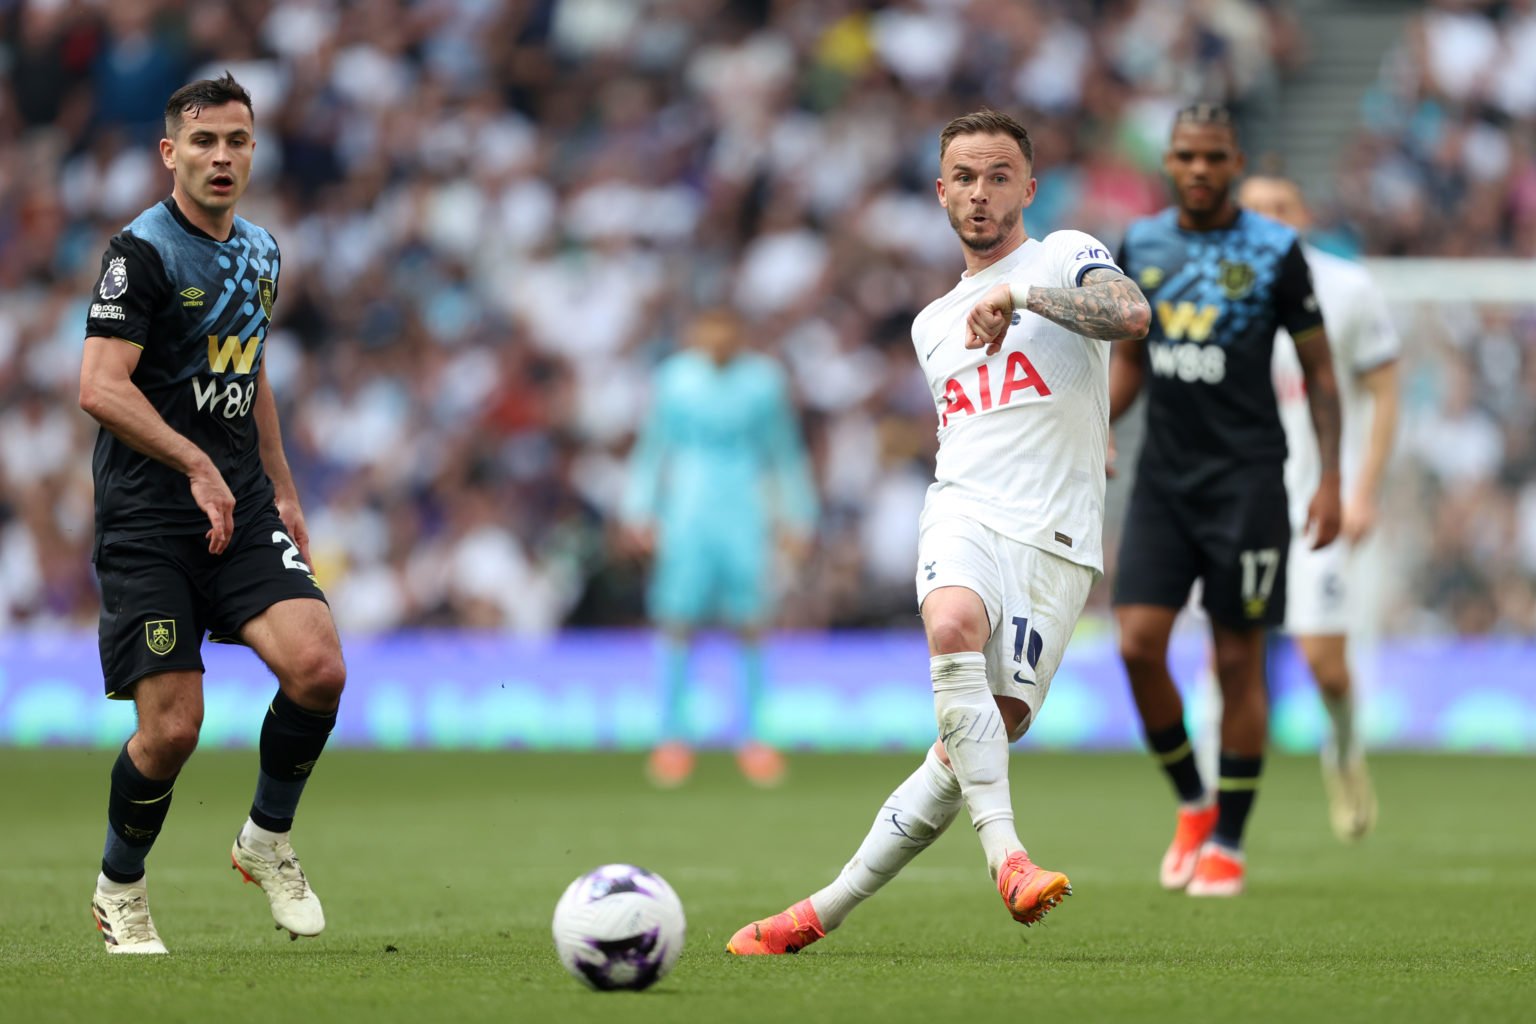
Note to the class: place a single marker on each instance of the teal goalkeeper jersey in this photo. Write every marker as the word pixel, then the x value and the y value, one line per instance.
pixel 720 455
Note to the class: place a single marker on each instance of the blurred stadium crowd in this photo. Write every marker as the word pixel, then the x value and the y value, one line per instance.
pixel 495 217
pixel 1445 165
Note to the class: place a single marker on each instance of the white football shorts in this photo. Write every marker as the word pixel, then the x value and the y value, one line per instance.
pixel 1032 597
pixel 1317 589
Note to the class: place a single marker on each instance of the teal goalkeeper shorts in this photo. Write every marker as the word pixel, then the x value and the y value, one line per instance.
pixel 711 580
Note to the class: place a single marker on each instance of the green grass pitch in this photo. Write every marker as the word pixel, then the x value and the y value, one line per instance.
pixel 439 873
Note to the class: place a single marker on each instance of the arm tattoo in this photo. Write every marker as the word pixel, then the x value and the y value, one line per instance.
pixel 1107 306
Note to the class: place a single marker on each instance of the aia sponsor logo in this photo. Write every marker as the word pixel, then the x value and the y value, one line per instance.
pixel 1019 374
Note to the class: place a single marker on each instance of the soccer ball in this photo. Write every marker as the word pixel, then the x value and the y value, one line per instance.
pixel 619 927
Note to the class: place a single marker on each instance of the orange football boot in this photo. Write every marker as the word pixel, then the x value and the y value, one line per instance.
pixel 786 932
pixel 763 766
pixel 1219 872
pixel 1195 827
pixel 1029 890
pixel 669 765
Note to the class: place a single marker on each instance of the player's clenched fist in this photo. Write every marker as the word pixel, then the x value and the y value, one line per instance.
pixel 989 320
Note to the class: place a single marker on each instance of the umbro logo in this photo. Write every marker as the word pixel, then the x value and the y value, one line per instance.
pixel 192 297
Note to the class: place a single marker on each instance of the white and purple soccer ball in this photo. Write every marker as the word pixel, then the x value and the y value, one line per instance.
pixel 619 927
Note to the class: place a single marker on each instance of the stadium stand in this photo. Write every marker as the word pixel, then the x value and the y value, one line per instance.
pixel 495 216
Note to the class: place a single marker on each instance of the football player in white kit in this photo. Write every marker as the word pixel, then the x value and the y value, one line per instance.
pixel 1017 359
pixel 1319 612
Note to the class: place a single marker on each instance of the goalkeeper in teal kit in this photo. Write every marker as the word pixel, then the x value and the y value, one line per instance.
pixel 718 477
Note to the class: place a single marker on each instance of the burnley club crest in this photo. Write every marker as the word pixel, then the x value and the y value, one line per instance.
pixel 160 635
pixel 266 290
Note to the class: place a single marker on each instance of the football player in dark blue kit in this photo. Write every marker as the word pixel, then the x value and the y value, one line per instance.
pixel 1209 501
pixel 198 523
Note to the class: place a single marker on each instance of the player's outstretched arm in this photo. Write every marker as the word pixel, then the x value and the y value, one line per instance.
pixel 1107 305
pixel 108 393
pixel 1323 515
pixel 275 462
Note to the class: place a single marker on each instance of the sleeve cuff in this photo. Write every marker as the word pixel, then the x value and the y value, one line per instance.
pixel 1078 283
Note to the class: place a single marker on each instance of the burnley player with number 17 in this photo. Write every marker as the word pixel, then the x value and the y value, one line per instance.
pixel 1209 502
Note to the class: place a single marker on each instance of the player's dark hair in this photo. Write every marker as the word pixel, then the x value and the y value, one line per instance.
pixel 987 122
pixel 208 92
pixel 1207 113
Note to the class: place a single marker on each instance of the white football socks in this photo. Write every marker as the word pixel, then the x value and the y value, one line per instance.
pixel 916 814
pixel 972 731
pixel 1207 734
pixel 252 834
pixel 107 887
pixel 1341 712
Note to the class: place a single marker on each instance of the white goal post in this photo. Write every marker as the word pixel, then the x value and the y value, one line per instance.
pixel 1405 279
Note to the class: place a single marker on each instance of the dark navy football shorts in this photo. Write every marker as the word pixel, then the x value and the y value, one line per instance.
pixel 1233 536
pixel 159 595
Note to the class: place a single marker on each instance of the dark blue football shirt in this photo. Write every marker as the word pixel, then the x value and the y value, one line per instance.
pixel 1217 298
pixel 199 309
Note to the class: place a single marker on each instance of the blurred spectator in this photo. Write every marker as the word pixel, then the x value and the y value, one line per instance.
pixel 1447 163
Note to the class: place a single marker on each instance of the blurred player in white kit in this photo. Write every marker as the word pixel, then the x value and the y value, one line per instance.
pixel 1017 360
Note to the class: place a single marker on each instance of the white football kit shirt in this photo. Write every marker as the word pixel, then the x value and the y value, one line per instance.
pixel 1362 338
pixel 1016 509
pixel 1023 434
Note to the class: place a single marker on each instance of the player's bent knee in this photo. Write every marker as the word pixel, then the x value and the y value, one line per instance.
pixel 318 679
pixel 946 636
pixel 174 741
pixel 1332 674
pixel 953 634
pixel 1239 672
pixel 1334 685
pixel 1141 653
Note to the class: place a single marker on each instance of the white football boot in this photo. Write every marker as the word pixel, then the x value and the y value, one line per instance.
pixel 122 917
pixel 272 864
pixel 1351 798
